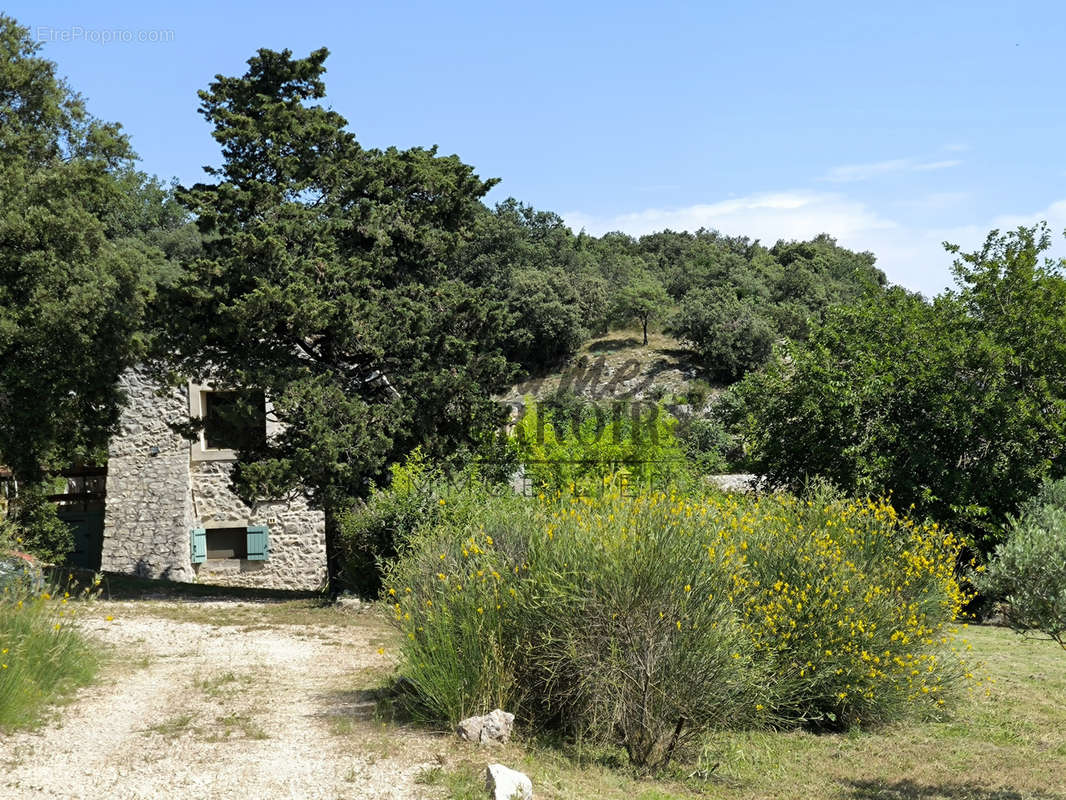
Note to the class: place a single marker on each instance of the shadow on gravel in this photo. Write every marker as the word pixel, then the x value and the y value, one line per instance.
pixel 910 790
pixel 361 705
pixel 117 586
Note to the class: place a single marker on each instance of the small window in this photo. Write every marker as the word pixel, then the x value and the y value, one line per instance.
pixel 250 543
pixel 233 420
pixel 226 543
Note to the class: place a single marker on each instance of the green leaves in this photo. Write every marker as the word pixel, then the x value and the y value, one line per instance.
pixel 75 278
pixel 956 406
pixel 329 281
pixel 643 300
pixel 730 336
pixel 1029 568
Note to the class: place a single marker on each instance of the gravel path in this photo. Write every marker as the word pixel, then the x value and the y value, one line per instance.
pixel 188 709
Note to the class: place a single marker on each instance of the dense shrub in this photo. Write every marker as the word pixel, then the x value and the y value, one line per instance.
pixel 418 494
pixel 42 655
pixel 648 620
pixel 729 334
pixel 851 603
pixel 708 444
pixel 38 528
pixel 1029 569
pixel 370 534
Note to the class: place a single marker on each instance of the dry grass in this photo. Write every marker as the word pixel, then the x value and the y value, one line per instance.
pixel 1010 745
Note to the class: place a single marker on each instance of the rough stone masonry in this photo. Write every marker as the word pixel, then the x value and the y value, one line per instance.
pixel 159 491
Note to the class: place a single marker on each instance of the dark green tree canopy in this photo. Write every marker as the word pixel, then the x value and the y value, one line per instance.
pixel 329 280
pixel 528 259
pixel 957 406
pixel 76 274
pixel 728 334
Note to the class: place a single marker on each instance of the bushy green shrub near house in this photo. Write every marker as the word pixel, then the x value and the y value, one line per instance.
pixel 37 528
pixel 647 620
pixel 418 494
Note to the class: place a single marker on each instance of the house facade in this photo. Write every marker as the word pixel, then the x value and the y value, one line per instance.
pixel 170 512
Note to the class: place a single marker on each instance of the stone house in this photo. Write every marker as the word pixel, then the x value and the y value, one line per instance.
pixel 170 512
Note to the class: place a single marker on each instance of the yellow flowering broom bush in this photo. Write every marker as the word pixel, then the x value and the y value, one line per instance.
pixel 853 605
pixel 649 620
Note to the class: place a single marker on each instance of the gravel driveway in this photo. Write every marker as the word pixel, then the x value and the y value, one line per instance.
pixel 254 707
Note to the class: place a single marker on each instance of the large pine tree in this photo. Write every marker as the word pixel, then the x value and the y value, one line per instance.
pixel 328 281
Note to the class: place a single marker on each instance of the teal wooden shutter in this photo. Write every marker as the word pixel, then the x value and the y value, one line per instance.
pixel 258 542
pixel 198 545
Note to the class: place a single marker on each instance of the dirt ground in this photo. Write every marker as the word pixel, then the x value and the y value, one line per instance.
pixel 225 699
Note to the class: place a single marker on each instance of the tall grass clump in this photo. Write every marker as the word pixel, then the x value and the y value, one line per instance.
pixel 647 620
pixel 42 655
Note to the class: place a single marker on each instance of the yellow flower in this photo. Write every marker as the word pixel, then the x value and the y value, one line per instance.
pixel 381 651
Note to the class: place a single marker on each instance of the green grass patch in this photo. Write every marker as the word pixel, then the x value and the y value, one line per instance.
pixel 43 657
pixel 174 726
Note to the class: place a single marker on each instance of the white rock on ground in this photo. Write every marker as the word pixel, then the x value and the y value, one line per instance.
pixel 492 728
pixel 503 783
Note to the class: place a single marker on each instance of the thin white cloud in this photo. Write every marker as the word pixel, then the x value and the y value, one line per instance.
pixel 1054 214
pixel 769 216
pixel 849 173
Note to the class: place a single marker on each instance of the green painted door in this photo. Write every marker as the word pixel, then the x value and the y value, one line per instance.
pixel 88 529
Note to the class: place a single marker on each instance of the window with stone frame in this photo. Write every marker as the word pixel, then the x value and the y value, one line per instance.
pixel 233 420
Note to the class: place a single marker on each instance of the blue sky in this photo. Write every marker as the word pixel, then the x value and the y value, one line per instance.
pixel 892 126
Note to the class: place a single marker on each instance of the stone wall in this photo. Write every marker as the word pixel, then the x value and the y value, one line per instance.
pixel 149 508
pixel 156 494
pixel 297 534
